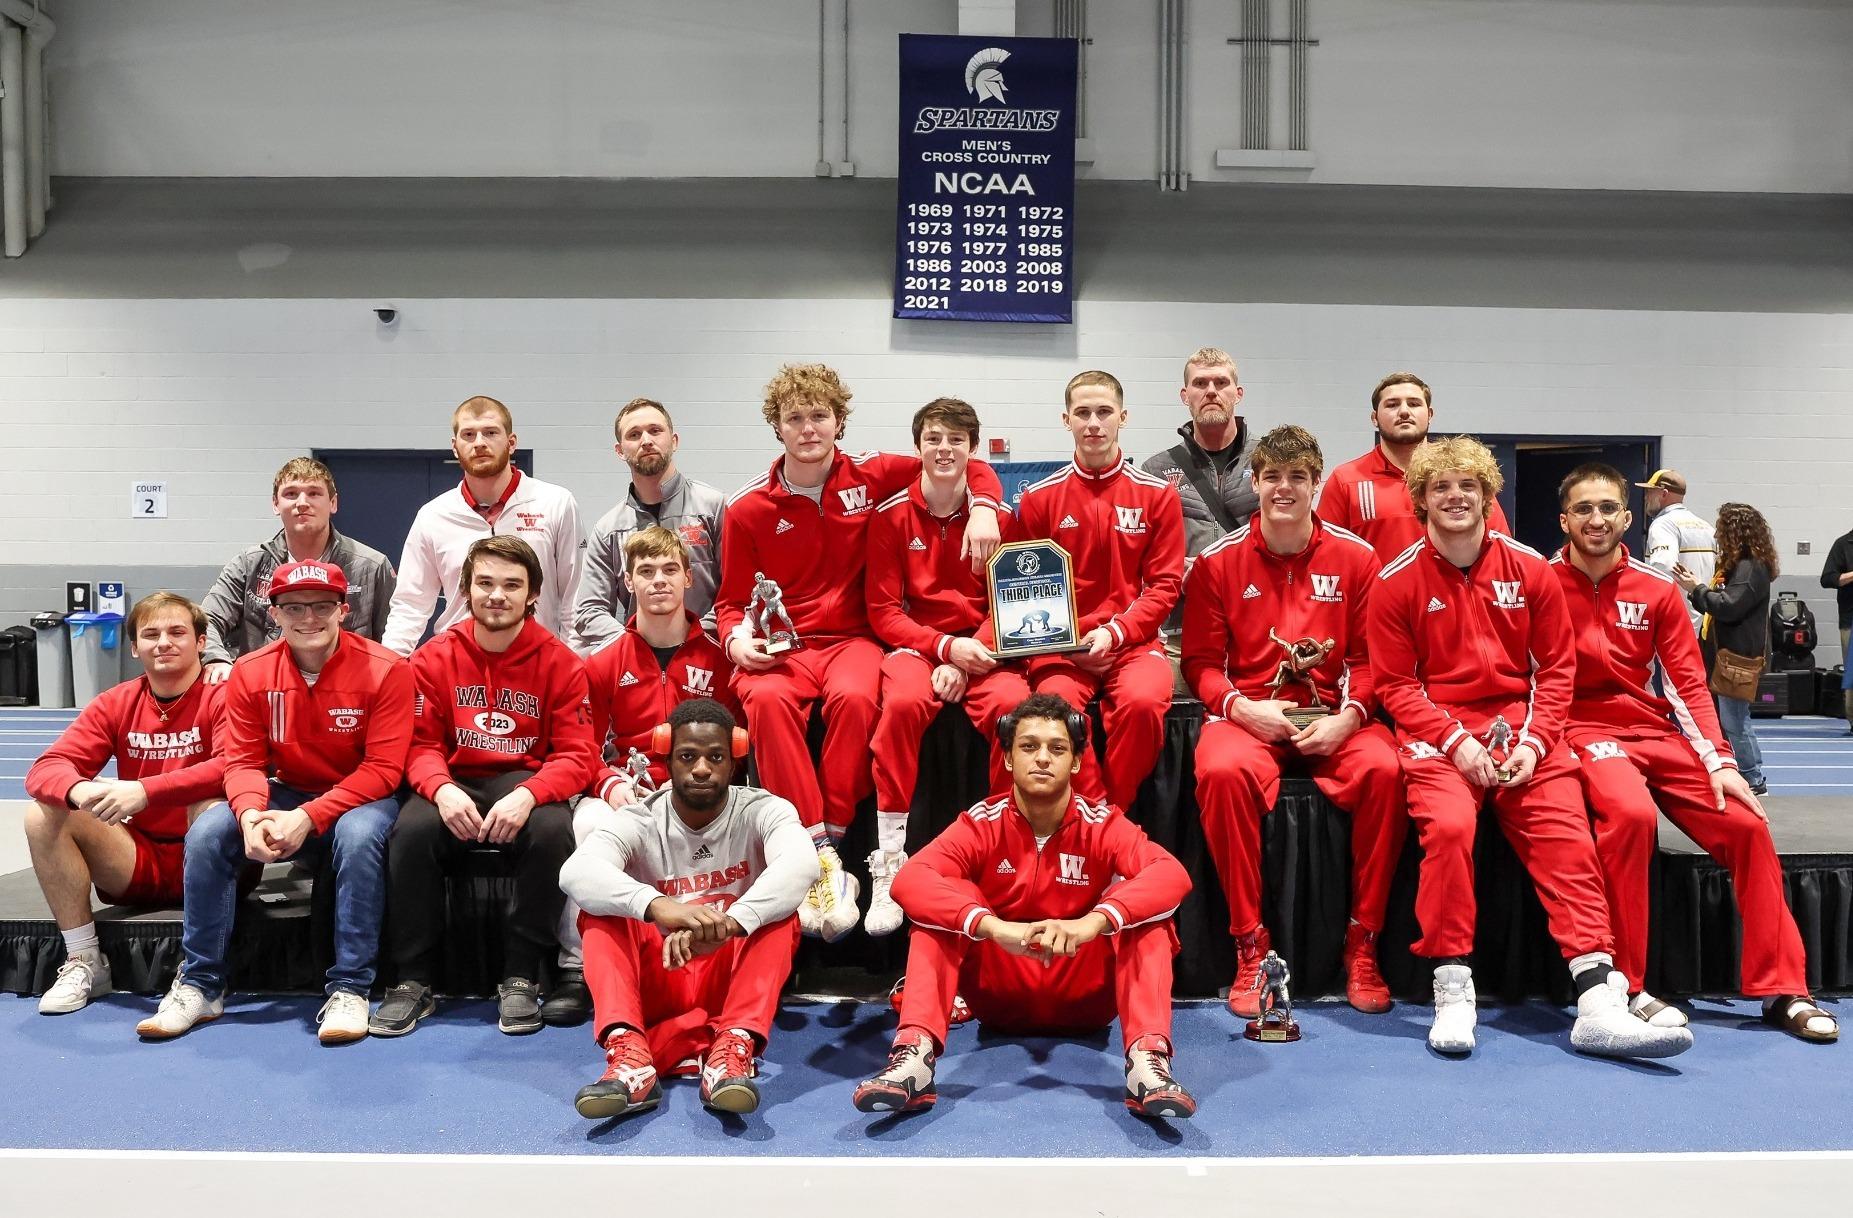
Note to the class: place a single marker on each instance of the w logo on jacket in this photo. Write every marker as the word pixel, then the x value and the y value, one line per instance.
pixel 1506 594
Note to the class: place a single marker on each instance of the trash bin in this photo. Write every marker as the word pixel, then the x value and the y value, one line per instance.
pixel 95 666
pixel 19 667
pixel 54 652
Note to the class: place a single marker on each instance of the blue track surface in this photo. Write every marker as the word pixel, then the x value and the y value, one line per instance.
pixel 1356 1085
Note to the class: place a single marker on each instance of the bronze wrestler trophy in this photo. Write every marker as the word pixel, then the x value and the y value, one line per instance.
pixel 1303 656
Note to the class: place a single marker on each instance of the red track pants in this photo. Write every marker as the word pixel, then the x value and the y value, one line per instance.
pixel 1549 830
pixel 845 676
pixel 1624 780
pixel 1128 974
pixel 1238 782
pixel 908 707
pixel 736 986
pixel 1134 695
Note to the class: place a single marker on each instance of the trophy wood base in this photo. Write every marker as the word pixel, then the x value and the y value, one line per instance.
pixel 1271 1030
pixel 1301 716
pixel 778 645
pixel 1047 649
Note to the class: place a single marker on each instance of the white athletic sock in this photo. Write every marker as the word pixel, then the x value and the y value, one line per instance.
pixel 82 941
pixel 891 831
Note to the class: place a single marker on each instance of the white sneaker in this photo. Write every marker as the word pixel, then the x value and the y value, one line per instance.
pixel 884 916
pixel 1607 1028
pixel 80 978
pixel 1660 1014
pixel 836 891
pixel 342 1018
pixel 181 1008
pixel 1455 1013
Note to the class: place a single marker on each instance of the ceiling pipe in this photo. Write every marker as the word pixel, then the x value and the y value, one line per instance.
pixel 13 138
pixel 39 32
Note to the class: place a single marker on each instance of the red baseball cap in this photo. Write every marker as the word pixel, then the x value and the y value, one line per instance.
pixel 308 577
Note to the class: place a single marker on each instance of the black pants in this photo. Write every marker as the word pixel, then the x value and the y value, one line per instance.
pixel 423 851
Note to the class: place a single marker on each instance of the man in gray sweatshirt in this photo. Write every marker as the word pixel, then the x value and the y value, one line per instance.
pixel 690 901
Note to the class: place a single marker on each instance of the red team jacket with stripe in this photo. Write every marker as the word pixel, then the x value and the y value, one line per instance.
pixel 921 594
pixel 344 740
pixel 816 553
pixel 481 713
pixel 1238 589
pixel 1124 530
pixel 1370 497
pixel 172 749
pixel 1451 650
pixel 986 862
pixel 1624 626
pixel 632 693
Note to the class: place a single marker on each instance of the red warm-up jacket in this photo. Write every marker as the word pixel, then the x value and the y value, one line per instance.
pixel 816 553
pixel 483 713
pixel 172 749
pixel 1370 496
pixel 1238 589
pixel 632 694
pixel 1124 530
pixel 1624 626
pixel 343 741
pixel 921 594
pixel 986 862
pixel 1451 650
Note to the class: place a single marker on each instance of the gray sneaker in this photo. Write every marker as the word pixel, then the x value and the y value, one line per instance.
pixel 518 1006
pixel 399 1012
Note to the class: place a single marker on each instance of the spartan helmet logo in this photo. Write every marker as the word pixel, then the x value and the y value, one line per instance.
pixel 983 77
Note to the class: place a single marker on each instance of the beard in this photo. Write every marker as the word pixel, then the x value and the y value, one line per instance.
pixel 650 465
pixel 490 466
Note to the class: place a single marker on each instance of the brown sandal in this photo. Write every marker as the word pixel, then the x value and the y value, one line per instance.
pixel 1792 1016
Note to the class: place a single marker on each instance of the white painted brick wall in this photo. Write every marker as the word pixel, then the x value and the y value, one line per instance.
pixel 212 396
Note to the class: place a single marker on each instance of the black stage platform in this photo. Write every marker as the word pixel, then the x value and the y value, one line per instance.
pixel 281 940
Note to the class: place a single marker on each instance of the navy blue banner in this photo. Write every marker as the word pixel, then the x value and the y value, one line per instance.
pixel 985 228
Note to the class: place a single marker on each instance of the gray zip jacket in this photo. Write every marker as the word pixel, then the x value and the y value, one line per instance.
pixel 755 862
pixel 238 605
pixel 691 509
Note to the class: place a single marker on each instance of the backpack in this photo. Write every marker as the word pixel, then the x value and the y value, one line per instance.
pixel 1792 635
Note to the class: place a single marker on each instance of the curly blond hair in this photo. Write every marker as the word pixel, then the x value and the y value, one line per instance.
pixel 805 385
pixel 1457 454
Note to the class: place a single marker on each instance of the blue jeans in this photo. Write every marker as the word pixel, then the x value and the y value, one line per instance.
pixel 1734 718
pixel 216 857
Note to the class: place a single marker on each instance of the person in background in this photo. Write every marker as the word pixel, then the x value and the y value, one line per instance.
pixel 1736 606
pixel 237 605
pixel 1675 533
pixel 1837 574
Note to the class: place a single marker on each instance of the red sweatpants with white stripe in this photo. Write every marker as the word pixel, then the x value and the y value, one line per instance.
pixel 1549 831
pixel 1238 782
pixel 845 676
pixel 1627 789
pixel 908 708
pixel 1135 694
pixel 679 1011
pixel 1128 974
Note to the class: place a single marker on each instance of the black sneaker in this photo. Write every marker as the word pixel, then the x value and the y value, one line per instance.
pixel 1761 788
pixel 569 1003
pixel 518 1006
pixel 404 1005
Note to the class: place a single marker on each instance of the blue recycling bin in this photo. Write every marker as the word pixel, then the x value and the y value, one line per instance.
pixel 95 664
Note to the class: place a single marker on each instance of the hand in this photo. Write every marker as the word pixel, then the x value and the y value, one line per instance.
pixel 948 683
pixel 506 816
pixel 624 793
pixel 703 922
pixel 1099 642
pixel 1725 780
pixel 972 657
pixel 1476 764
pixel 256 826
pixel 459 813
pixel 1323 737
pixel 750 655
pixel 1013 937
pixel 287 830
pixel 116 803
pixel 1266 720
pixel 215 673
pixel 1686 579
pixel 1521 764
pixel 981 536
pixel 1063 936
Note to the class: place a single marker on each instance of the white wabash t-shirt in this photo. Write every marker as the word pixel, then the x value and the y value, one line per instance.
pixel 755 861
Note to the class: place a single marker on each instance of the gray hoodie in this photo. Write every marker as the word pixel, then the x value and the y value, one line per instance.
pixel 238 604
pixel 691 509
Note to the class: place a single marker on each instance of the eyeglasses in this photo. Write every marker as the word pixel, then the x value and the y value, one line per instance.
pixel 297 610
pixel 1607 508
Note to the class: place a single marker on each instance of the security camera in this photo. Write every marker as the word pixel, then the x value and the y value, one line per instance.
pixel 387 314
